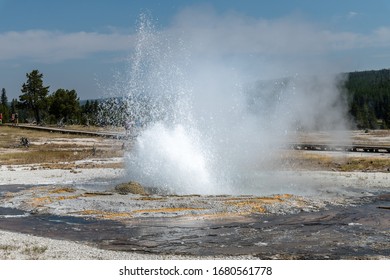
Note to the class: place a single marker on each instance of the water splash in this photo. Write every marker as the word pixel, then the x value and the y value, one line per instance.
pixel 171 159
pixel 201 127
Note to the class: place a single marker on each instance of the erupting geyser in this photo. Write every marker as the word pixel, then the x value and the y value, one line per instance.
pixel 201 126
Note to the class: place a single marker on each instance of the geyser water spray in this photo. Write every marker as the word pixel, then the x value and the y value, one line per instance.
pixel 202 127
pixel 170 152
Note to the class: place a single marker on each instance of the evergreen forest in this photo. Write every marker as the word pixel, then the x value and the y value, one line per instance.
pixel 367 94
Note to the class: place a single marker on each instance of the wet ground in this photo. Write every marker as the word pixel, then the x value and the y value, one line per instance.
pixel 297 215
pixel 357 231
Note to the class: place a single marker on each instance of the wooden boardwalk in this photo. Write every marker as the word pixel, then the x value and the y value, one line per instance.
pixel 115 135
pixel 296 146
pixel 340 148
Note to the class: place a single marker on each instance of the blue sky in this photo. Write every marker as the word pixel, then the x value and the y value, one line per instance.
pixel 79 44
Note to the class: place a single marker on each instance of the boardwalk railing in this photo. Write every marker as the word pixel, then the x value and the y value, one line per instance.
pixel 340 148
pixel 116 135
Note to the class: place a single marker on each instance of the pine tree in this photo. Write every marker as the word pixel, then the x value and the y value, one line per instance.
pixel 4 105
pixel 4 98
pixel 64 104
pixel 34 97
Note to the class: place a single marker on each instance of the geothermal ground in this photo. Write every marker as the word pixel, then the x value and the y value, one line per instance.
pixel 66 197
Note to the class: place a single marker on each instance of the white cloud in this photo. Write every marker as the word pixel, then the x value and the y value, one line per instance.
pixel 378 38
pixel 285 36
pixel 48 46
pixel 205 32
pixel 352 15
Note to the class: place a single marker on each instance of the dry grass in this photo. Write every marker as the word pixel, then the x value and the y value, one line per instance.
pixel 11 135
pixel 371 137
pixel 366 164
pixel 95 128
pixel 306 161
pixel 53 148
pixel 74 167
pixel 323 161
pixel 43 156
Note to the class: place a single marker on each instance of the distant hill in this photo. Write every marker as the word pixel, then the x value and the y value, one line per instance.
pixel 368 94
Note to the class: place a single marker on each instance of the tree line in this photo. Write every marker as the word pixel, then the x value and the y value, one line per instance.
pixel 367 94
pixel 36 105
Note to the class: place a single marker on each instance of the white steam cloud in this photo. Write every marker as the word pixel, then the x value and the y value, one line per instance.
pixel 219 96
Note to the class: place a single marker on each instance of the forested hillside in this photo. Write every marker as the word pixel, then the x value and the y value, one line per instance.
pixel 368 95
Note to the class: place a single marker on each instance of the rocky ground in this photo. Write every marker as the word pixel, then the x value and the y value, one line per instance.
pixel 337 207
pixel 80 210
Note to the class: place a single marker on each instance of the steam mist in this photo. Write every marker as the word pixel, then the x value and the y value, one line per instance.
pixel 213 103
